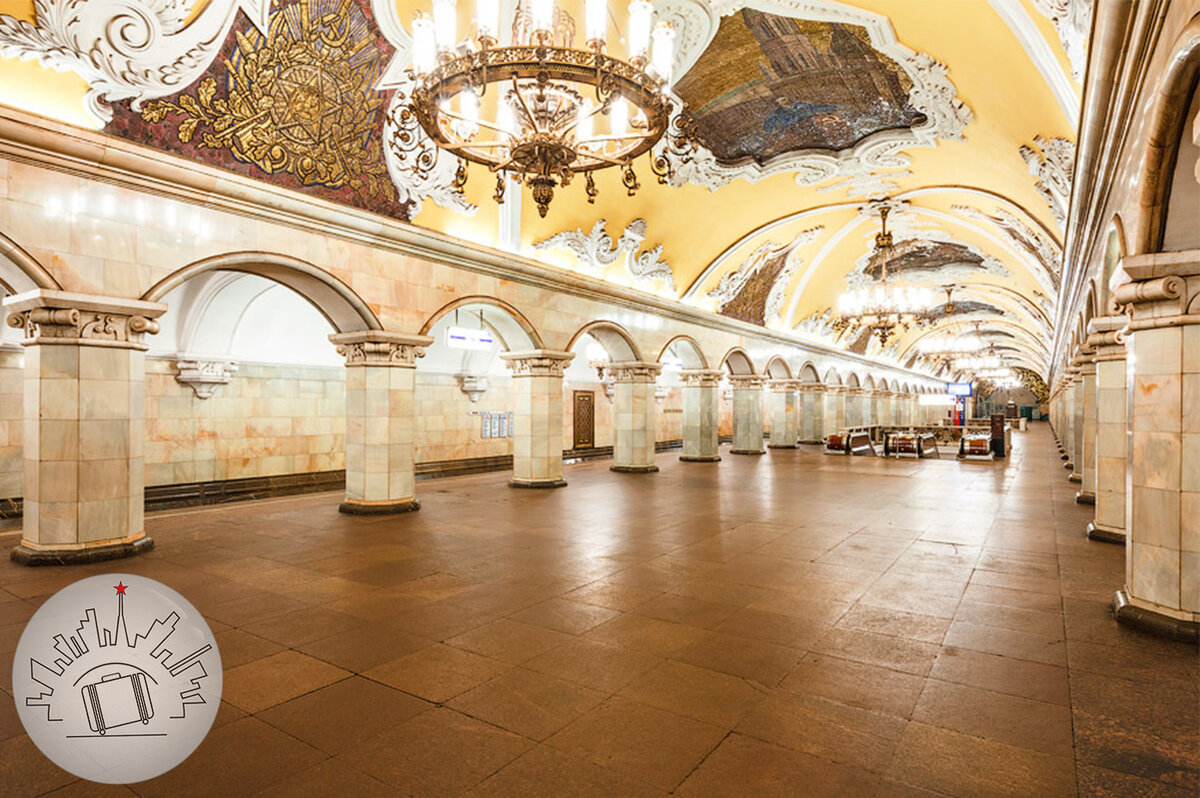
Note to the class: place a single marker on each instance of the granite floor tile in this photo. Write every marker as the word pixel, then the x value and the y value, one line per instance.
pixel 437 673
pixel 529 703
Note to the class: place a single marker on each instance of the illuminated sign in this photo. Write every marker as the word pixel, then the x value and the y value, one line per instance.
pixel 465 338
pixel 959 389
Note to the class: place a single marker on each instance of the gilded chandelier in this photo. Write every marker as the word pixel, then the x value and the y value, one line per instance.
pixel 540 109
pixel 884 307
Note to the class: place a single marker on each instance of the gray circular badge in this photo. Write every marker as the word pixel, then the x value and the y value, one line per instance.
pixel 117 678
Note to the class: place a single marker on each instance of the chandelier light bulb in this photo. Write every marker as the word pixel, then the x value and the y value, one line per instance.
pixel 542 16
pixel 469 104
pixel 487 18
pixel 618 116
pixel 505 119
pixel 664 52
pixel 596 21
pixel 641 14
pixel 445 21
pixel 424 49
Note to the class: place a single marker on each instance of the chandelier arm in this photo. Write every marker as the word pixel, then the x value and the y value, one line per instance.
pixel 606 159
pixel 525 106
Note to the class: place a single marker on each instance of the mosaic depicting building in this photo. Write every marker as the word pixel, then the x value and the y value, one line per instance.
pixel 561 398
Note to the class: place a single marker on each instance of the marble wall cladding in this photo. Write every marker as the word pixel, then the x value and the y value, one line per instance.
pixel 834 412
pixel 11 392
pixel 445 428
pixel 1089 433
pixel 268 420
pixel 1110 445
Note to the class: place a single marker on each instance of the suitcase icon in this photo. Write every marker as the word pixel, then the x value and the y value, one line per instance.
pixel 117 700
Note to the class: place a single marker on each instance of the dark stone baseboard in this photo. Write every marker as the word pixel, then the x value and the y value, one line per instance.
pixel 633 469
pixel 558 483
pixel 1105 535
pixel 716 458
pixel 1154 622
pixel 386 508
pixel 23 555
pixel 783 446
pixel 746 451
pixel 1085 498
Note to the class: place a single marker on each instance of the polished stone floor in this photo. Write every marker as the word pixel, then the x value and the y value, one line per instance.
pixel 785 625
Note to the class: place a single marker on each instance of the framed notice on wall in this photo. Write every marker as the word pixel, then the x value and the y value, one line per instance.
pixel 485 424
pixel 503 425
pixel 495 419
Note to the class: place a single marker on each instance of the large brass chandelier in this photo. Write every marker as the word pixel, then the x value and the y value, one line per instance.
pixel 540 109
pixel 884 307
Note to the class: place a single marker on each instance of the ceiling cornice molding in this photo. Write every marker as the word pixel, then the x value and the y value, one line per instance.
pixel 46 143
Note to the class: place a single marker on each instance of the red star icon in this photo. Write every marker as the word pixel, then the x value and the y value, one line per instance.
pixel 120 587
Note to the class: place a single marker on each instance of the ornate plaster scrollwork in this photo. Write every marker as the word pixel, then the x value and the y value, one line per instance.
pixel 472 385
pixel 856 169
pixel 1052 163
pixel 1045 252
pixel 1073 21
pixel 203 376
pixel 595 250
pixel 539 363
pixel 126 49
pixel 418 169
pixel 379 348
pixel 70 325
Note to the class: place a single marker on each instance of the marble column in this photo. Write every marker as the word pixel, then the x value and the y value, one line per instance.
pixel 701 393
pixel 1077 419
pixel 747 413
pixel 380 378
pixel 785 432
pixel 834 415
pixel 84 425
pixel 537 417
pixel 1107 339
pixel 812 412
pixel 1068 411
pixel 883 407
pixel 634 412
pixel 854 407
pixel 1087 436
pixel 1162 483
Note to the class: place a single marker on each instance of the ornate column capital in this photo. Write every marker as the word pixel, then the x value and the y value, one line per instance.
pixel 636 371
pixel 783 386
pixel 203 375
pixel 1163 290
pixel 380 348
pixel 742 382
pixel 836 389
pixel 703 378
pixel 63 317
pixel 1106 336
pixel 538 362
pixel 811 387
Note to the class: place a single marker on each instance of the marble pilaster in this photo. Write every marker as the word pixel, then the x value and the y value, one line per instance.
pixel 854 407
pixel 747 413
pixel 835 409
pixel 1076 411
pixel 1108 341
pixel 537 417
pixel 1162 576
pixel 634 414
pixel 1087 437
pixel 84 425
pixel 784 405
pixel 380 377
pixel 701 394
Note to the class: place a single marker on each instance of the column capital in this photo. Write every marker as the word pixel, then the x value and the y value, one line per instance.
pixel 633 371
pixel 742 382
pixel 835 388
pixel 64 317
pixel 1163 291
pixel 783 386
pixel 704 378
pixel 538 362
pixel 1106 335
pixel 812 387
pixel 380 348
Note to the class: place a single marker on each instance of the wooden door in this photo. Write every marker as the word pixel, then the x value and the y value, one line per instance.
pixel 584 417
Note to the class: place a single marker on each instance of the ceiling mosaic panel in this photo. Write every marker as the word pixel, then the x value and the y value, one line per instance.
pixel 769 85
pixel 295 104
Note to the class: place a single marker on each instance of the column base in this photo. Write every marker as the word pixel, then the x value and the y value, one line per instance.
pixel 352 507
pixel 712 458
pixel 814 442
pixel 537 483
pixel 1153 622
pixel 1065 457
pixel 27 555
pixel 746 451
pixel 1068 465
pixel 1075 478
pixel 1083 497
pixel 782 445
pixel 1104 534
pixel 624 469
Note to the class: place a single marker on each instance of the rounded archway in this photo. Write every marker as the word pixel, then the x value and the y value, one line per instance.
pixel 778 369
pixel 683 352
pixel 737 361
pixel 808 373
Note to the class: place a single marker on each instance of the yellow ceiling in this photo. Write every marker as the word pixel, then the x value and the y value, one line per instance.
pixel 707 234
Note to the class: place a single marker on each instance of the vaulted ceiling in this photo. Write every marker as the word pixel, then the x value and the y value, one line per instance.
pixel 959 115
